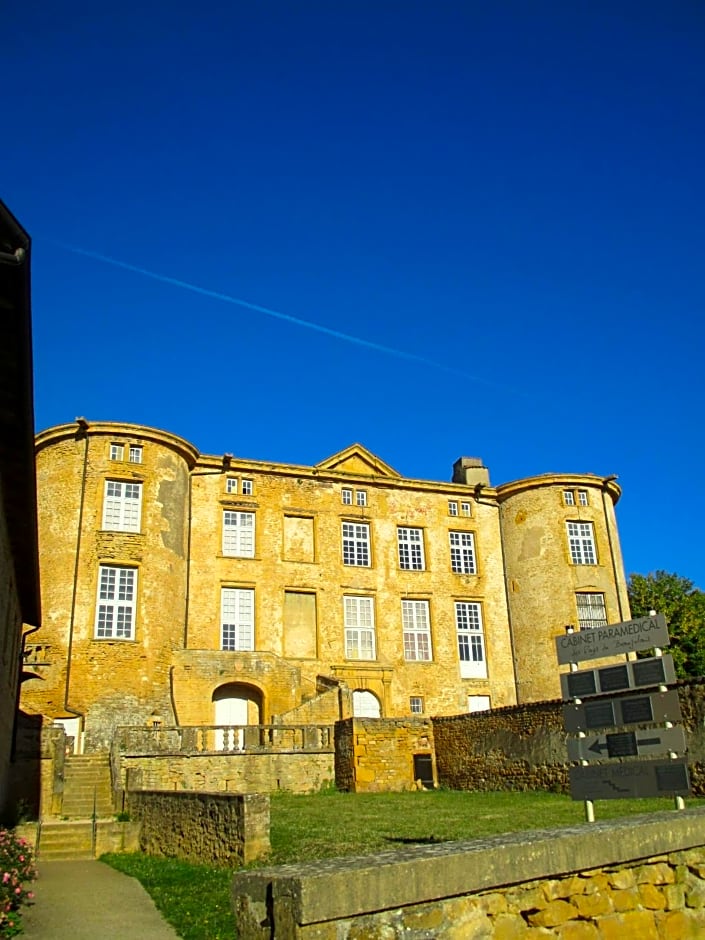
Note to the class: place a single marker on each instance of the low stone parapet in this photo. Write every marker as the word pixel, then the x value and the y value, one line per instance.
pixel 216 828
pixel 631 878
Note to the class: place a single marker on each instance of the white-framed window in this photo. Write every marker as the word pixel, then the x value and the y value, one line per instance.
pixel 411 553
pixel 452 507
pixel 346 496
pixel 359 618
pixel 237 618
pixel 568 498
pixel 462 552
pixel 361 497
pixel 122 506
pixel 416 704
pixel 356 544
pixel 231 484
pixel 471 641
pixel 581 540
pixel 115 606
pixel 591 610
pixel 417 630
pixel 465 509
pixel 246 487
pixel 135 453
pixel 117 451
pixel 582 498
pixel 239 534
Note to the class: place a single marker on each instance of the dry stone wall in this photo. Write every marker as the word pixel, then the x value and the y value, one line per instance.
pixel 523 747
pixel 519 748
pixel 216 828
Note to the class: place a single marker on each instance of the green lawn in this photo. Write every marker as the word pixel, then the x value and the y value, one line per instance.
pixel 196 898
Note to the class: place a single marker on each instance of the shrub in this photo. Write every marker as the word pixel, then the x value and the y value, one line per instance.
pixel 16 872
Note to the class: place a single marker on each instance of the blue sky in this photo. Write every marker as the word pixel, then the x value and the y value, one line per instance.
pixel 501 203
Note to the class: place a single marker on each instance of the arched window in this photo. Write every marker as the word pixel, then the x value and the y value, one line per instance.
pixel 365 704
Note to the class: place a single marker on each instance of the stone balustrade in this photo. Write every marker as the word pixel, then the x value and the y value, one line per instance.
pixel 225 739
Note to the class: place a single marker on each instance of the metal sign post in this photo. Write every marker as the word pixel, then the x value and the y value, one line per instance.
pixel 610 706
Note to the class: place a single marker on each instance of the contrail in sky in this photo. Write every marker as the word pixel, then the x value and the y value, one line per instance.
pixel 267 311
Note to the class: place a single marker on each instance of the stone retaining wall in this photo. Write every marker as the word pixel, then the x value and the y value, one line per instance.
pixel 523 747
pixel 242 773
pixel 641 878
pixel 215 828
pixel 518 748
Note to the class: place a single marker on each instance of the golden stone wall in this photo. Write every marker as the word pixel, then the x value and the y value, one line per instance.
pixel 312 497
pixel 377 755
pixel 173 670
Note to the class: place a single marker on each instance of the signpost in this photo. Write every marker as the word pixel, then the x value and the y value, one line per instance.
pixel 633 779
pixel 594 778
pixel 639 674
pixel 613 640
pixel 655 741
pixel 629 710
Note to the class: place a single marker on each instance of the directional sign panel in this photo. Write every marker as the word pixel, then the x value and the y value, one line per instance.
pixel 598 642
pixel 630 779
pixel 658 741
pixel 649 708
pixel 640 674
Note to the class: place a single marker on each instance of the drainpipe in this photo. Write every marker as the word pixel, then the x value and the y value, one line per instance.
pixel 227 459
pixel 188 562
pixel 610 543
pixel 507 601
pixel 82 432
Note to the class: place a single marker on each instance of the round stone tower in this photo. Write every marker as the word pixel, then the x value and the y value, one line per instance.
pixel 563 566
pixel 113 505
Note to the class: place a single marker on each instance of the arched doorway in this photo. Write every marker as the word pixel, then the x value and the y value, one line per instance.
pixel 365 704
pixel 235 705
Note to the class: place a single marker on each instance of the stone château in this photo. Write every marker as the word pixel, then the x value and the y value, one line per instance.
pixel 180 588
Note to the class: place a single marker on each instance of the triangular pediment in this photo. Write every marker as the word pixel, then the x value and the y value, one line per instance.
pixel 357 460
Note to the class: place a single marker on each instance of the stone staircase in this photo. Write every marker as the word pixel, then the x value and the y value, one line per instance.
pixel 87 794
pixel 87 787
pixel 65 840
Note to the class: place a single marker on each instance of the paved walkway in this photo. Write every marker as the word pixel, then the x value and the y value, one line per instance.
pixel 91 901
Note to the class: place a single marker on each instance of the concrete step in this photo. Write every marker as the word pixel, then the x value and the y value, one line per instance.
pixel 76 813
pixel 87 789
pixel 87 773
pixel 63 840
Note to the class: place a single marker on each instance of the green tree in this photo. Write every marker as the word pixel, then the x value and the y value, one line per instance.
pixel 683 605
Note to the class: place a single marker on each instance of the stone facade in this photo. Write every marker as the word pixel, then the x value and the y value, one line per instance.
pixel 256 593
pixel 641 878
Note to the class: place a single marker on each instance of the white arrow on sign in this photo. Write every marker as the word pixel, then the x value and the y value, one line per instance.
pixel 627 744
